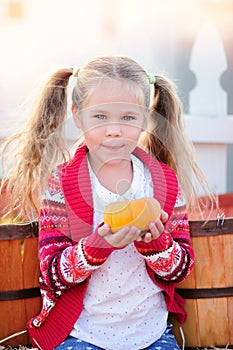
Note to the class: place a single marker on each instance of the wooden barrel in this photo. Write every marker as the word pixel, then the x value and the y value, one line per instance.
pixel 209 288
pixel 19 274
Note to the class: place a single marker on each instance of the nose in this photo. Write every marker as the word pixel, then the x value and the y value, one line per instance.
pixel 113 129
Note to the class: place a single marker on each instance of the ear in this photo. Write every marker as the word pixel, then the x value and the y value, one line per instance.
pixel 76 116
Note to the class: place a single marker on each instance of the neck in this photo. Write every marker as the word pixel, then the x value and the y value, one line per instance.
pixel 116 177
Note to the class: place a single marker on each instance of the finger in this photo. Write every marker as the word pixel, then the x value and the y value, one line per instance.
pixel 156 228
pixel 148 237
pixel 163 216
pixel 159 225
pixel 129 233
pixel 124 236
pixel 104 230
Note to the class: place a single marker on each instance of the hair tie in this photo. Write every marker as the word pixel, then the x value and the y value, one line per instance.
pixel 152 79
pixel 75 72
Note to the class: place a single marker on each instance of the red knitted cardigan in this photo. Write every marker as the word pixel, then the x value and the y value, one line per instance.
pixel 77 191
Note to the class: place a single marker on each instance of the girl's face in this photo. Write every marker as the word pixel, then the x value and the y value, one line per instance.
pixel 111 120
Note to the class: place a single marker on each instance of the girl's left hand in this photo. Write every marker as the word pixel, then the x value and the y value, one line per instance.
pixel 156 228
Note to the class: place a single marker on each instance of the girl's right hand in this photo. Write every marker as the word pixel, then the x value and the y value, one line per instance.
pixel 121 238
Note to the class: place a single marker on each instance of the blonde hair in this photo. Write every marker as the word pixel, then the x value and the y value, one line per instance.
pixel 41 145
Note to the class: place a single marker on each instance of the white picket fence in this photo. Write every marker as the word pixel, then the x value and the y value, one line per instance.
pixel 210 119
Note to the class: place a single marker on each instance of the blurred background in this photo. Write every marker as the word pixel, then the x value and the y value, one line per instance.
pixel 191 41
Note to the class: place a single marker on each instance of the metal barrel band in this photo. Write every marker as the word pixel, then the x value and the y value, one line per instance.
pixel 211 228
pixel 205 293
pixel 22 230
pixel 20 294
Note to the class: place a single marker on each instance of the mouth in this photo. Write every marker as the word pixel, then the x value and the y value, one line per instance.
pixel 113 147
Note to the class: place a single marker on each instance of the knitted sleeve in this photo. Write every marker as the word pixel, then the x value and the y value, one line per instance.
pixel 171 256
pixel 64 263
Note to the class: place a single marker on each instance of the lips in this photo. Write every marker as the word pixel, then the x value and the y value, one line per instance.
pixel 113 147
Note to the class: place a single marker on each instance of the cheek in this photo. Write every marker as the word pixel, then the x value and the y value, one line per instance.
pixel 93 137
pixel 133 133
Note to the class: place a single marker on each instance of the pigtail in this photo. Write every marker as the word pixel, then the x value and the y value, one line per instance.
pixel 166 141
pixel 166 127
pixel 34 152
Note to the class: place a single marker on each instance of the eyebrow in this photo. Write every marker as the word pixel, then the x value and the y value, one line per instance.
pixel 136 109
pixel 103 111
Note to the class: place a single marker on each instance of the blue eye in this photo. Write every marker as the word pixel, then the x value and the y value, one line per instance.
pixel 128 117
pixel 100 116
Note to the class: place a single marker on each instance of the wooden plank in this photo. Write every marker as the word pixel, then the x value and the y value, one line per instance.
pixel 217 261
pixel 191 325
pixel 31 263
pixel 31 276
pixel 213 323
pixel 210 274
pixel 230 318
pixel 11 265
pixel 210 261
pixel 228 266
pixel 12 312
pixel 203 272
pixel 12 317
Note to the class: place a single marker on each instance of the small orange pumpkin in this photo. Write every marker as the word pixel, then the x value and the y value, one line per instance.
pixel 138 212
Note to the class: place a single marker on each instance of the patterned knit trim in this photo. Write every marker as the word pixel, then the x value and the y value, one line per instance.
pixel 60 320
pixel 76 187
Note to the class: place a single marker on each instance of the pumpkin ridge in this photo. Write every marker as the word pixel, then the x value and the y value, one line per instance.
pixel 138 212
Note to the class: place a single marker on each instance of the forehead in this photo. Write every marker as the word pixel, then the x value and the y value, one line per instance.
pixel 119 108
pixel 111 92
